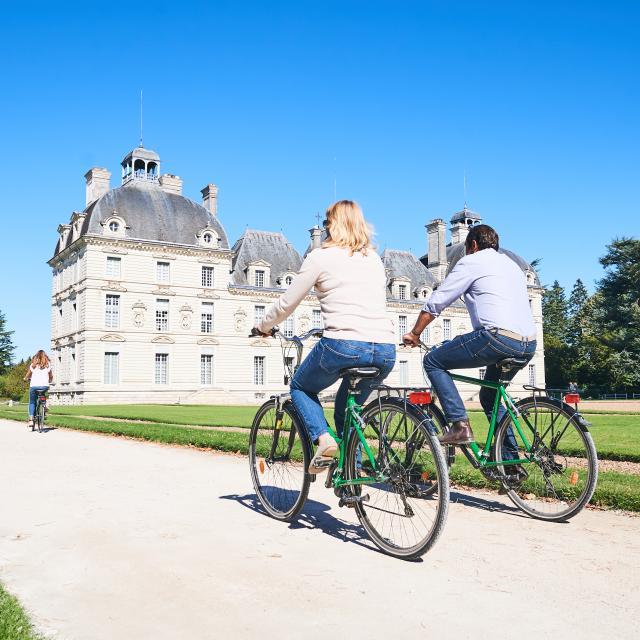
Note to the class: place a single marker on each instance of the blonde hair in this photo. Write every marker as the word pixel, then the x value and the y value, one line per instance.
pixel 347 227
pixel 40 360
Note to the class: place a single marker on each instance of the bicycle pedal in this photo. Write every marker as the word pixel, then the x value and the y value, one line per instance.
pixel 347 501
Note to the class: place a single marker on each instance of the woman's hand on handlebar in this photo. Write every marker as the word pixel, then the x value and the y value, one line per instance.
pixel 256 332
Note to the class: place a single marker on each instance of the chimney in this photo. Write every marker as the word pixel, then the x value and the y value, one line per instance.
pixel 316 237
pixel 97 183
pixel 170 183
pixel 437 251
pixel 459 232
pixel 210 198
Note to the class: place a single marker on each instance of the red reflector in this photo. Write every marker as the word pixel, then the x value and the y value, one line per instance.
pixel 572 398
pixel 42 398
pixel 420 397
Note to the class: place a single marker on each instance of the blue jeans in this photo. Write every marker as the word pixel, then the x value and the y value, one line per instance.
pixel 320 370
pixel 34 392
pixel 476 349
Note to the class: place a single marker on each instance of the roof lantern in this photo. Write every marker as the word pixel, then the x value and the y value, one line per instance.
pixel 141 164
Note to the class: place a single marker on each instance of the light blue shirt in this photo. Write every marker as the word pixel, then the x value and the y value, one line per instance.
pixel 494 289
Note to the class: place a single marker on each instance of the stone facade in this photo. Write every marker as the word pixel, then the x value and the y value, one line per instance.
pixel 150 304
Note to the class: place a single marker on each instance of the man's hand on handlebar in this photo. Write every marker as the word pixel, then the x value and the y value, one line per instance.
pixel 410 339
pixel 256 332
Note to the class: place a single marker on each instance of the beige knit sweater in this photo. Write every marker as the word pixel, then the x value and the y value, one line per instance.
pixel 351 292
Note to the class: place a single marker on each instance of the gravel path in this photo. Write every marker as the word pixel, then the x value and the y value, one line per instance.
pixel 108 538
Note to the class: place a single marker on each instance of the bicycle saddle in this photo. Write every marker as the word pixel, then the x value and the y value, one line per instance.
pixel 511 363
pixel 360 372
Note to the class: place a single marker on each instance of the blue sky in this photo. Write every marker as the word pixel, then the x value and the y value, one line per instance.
pixel 536 101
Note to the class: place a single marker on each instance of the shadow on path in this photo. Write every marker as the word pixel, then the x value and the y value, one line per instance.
pixel 315 515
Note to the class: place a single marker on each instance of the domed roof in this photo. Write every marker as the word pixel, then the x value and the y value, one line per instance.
pixel 144 154
pixel 466 215
pixel 152 214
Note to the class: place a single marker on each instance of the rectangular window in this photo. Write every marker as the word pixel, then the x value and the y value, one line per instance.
pixel 425 336
pixel 403 368
pixel 258 314
pixel 289 327
pixel 402 326
pixel 162 314
pixel 162 368
pixel 482 371
pixel 111 312
pixel 446 329
pixel 316 321
pixel 206 369
pixel 289 363
pixel 258 370
pixel 532 375
pixel 402 291
pixel 162 271
pixel 113 267
pixel 259 278
pixel 111 367
pixel 206 317
pixel 207 276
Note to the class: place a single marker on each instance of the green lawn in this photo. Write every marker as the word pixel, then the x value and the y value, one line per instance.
pixel 617 437
pixel 14 624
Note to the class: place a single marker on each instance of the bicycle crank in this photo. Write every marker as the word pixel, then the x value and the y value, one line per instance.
pixel 350 501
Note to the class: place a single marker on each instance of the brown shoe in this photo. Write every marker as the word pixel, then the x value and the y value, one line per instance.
pixel 460 433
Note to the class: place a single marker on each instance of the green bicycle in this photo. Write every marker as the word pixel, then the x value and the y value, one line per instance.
pixel 556 470
pixel 390 468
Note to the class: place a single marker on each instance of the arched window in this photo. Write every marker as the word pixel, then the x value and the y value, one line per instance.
pixel 114 226
pixel 139 169
pixel 288 280
pixel 207 237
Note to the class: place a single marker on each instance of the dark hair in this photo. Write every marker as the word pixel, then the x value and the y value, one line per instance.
pixel 484 235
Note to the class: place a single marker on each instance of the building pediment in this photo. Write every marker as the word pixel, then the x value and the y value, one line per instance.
pixel 209 341
pixel 163 291
pixel 260 342
pixel 163 340
pixel 112 285
pixel 112 337
pixel 210 295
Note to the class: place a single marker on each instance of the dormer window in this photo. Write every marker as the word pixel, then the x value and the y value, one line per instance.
pixel 114 226
pixel 259 274
pixel 288 280
pixel 259 278
pixel 207 237
pixel 402 291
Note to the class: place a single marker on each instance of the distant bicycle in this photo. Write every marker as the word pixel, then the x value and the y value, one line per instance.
pixel 390 469
pixel 40 413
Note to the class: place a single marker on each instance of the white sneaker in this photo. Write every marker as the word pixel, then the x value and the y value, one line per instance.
pixel 325 453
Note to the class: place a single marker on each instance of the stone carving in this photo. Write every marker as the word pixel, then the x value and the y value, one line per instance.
pixel 240 320
pixel 304 323
pixel 186 314
pixel 138 309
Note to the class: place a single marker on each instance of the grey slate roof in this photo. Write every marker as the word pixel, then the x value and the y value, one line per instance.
pixel 152 214
pixel 405 264
pixel 270 246
pixel 145 154
pixel 465 214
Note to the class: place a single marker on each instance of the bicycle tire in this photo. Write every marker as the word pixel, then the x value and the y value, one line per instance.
pixel 40 417
pixel 413 461
pixel 279 462
pixel 563 471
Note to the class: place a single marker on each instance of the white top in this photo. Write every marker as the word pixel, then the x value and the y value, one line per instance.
pixel 494 289
pixel 39 377
pixel 351 290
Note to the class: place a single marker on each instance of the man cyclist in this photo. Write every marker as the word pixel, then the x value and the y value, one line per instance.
pixel 495 293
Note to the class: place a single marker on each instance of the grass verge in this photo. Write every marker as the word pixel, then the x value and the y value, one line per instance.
pixel 14 624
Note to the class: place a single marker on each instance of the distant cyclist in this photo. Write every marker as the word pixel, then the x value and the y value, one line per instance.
pixel 40 377
pixel 348 278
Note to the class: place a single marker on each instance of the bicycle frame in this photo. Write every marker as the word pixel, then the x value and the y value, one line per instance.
pixel 482 455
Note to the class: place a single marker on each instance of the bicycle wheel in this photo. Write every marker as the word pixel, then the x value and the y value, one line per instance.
pixel 563 463
pixel 403 513
pixel 40 417
pixel 279 456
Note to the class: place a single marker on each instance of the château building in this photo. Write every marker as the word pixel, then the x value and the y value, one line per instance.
pixel 151 303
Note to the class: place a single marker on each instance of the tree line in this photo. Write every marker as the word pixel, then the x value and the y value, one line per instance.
pixel 594 340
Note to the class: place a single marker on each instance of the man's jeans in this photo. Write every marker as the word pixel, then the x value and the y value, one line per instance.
pixel 320 370
pixel 476 349
pixel 34 392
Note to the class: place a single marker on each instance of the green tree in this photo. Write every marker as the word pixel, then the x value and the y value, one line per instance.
pixel 6 345
pixel 555 324
pixel 617 312
pixel 12 383
pixel 577 314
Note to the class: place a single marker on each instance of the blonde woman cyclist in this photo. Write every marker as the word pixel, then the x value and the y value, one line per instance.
pixel 350 282
pixel 40 377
